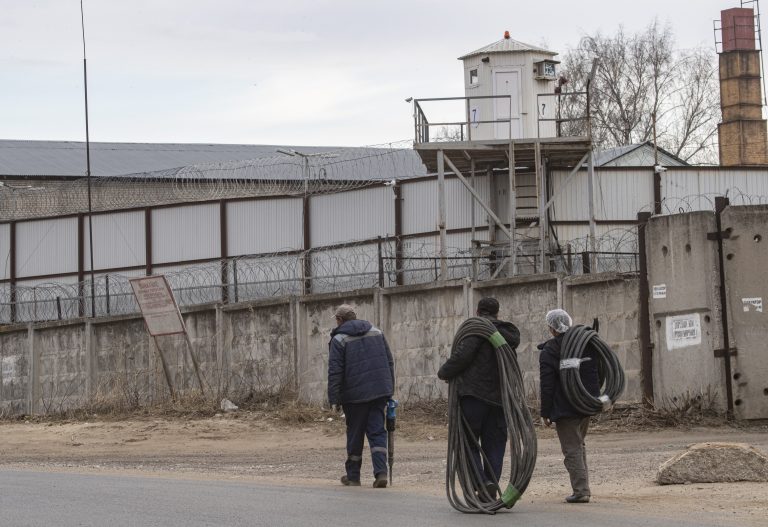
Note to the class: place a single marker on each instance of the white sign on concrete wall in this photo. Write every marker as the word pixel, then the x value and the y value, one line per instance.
pixel 660 291
pixel 752 304
pixel 158 307
pixel 8 369
pixel 683 331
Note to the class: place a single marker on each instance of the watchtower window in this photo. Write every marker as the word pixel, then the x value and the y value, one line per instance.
pixel 473 80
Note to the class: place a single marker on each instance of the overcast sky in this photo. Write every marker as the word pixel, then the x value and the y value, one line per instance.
pixel 298 72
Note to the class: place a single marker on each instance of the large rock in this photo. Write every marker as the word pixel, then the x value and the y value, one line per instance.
pixel 714 463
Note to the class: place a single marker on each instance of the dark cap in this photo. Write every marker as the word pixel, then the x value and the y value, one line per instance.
pixel 488 306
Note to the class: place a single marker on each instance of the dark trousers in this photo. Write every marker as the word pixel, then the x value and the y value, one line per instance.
pixel 571 431
pixel 486 422
pixel 366 420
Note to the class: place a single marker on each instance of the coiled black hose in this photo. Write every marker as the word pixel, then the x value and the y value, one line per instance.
pixel 476 498
pixel 576 341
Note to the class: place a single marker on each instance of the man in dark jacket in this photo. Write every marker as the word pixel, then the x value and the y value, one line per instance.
pixel 474 367
pixel 361 378
pixel 571 426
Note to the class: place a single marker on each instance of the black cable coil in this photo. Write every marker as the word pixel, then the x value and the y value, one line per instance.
pixel 610 373
pixel 476 498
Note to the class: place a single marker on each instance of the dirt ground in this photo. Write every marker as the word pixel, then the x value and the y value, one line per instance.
pixel 252 447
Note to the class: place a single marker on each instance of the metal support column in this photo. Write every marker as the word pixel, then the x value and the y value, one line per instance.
pixel 493 193
pixel 441 213
pixel 542 194
pixel 591 187
pixel 512 211
pixel 472 199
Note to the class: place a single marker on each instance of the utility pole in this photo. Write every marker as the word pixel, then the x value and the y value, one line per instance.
pixel 88 167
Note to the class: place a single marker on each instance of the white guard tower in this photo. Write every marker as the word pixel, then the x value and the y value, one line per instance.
pixel 514 74
pixel 515 124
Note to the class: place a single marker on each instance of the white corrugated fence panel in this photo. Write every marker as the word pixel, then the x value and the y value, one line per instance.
pixel 347 268
pixel 420 205
pixel 118 240
pixel 691 189
pixel 190 232
pixel 619 194
pixel 46 247
pixel 5 251
pixel 349 216
pixel 264 226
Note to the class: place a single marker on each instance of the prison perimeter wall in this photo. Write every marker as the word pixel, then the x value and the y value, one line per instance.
pixel 279 344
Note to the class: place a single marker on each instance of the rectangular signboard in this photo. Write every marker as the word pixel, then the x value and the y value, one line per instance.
pixel 158 307
pixel 683 331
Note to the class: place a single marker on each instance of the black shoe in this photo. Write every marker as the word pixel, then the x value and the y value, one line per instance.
pixel 577 498
pixel 490 488
pixel 381 481
pixel 349 482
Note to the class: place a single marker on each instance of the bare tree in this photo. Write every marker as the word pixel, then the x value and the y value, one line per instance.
pixel 642 81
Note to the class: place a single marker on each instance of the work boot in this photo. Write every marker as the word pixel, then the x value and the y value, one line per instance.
pixel 490 488
pixel 349 482
pixel 577 498
pixel 381 481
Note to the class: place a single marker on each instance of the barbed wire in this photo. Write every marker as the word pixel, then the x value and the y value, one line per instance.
pixel 289 173
pixel 340 268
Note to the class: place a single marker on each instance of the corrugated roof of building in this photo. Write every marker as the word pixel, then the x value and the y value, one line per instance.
pixel 506 45
pixel 613 154
pixel 67 158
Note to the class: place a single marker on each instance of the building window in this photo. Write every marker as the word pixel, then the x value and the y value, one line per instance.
pixel 472 77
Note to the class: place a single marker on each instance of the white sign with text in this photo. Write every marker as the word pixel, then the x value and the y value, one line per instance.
pixel 158 307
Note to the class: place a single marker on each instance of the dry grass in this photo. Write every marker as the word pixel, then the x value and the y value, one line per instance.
pixel 421 420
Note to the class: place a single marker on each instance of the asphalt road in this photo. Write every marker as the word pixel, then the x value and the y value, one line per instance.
pixel 65 499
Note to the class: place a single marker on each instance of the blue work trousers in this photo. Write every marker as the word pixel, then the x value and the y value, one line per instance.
pixel 366 420
pixel 487 423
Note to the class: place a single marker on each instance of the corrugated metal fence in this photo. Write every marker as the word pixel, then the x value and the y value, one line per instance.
pixel 239 249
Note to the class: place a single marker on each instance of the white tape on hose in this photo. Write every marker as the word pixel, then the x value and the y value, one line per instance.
pixel 566 364
pixel 606 402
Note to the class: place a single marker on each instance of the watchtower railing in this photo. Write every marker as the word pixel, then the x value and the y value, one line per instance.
pixel 459 129
pixel 568 113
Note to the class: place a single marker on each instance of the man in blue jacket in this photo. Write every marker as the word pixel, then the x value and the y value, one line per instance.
pixel 571 426
pixel 361 378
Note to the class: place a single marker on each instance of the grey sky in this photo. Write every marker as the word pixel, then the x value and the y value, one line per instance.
pixel 295 72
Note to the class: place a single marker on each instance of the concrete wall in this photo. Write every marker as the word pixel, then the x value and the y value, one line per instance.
pixel 683 364
pixel 745 257
pixel 282 343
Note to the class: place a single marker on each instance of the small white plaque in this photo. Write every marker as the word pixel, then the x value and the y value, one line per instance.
pixel 660 291
pixel 683 331
pixel 752 304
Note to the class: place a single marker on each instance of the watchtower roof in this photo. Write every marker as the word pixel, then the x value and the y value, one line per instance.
pixel 506 45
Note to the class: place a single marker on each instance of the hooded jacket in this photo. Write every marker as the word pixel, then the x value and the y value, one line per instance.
pixel 474 365
pixel 360 364
pixel 554 404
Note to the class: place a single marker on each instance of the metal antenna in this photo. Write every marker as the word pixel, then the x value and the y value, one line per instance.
pixel 88 166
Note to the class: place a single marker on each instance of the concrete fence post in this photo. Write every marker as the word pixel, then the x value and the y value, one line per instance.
pixel 293 309
pixel 90 361
pixel 222 362
pixel 33 383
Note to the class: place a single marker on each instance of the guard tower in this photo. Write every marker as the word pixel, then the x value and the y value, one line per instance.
pixel 515 124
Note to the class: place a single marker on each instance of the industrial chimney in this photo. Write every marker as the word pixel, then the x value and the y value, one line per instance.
pixel 742 132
